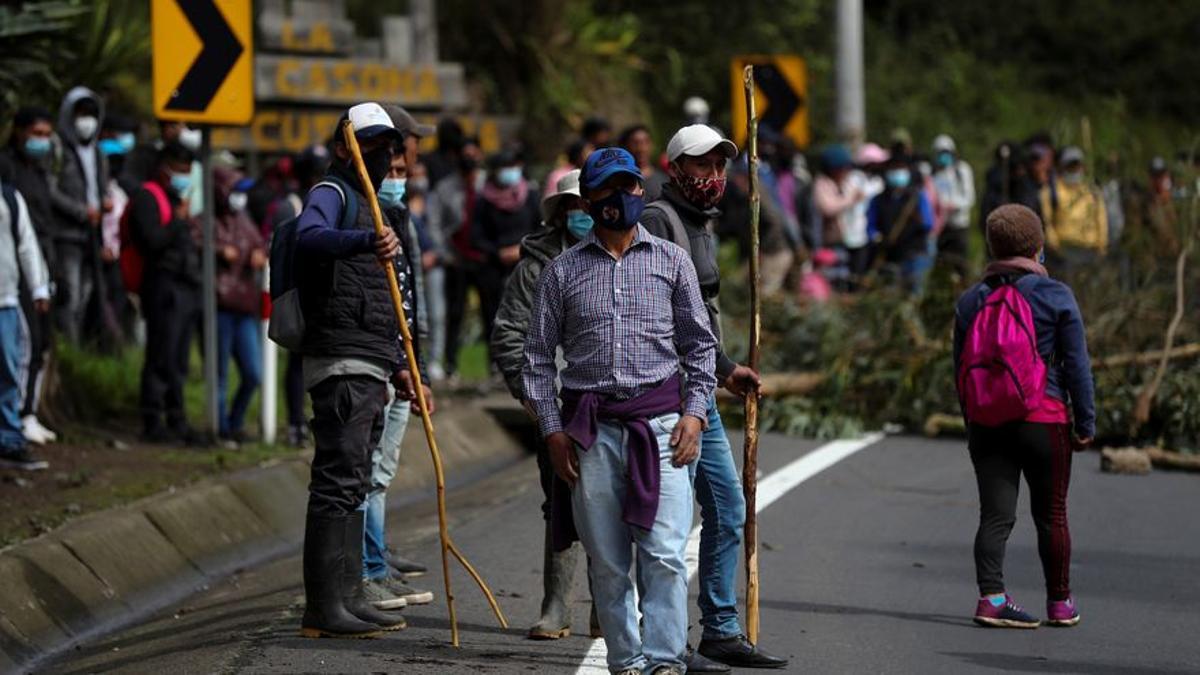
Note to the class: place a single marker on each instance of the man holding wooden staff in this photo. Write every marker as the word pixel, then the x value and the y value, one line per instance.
pixel 698 155
pixel 351 350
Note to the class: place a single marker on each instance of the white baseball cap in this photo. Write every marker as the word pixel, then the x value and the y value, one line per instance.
pixel 943 143
pixel 370 120
pixel 567 186
pixel 699 139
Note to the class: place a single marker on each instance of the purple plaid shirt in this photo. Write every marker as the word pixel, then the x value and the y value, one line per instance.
pixel 624 326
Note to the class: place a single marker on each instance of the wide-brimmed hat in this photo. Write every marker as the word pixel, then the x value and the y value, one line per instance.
pixel 567 186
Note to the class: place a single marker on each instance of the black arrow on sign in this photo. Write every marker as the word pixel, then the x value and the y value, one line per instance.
pixel 783 100
pixel 220 51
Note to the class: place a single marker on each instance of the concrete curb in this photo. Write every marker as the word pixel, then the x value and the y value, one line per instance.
pixel 108 569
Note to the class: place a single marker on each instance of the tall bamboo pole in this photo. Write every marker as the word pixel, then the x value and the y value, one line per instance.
pixel 750 464
pixel 448 546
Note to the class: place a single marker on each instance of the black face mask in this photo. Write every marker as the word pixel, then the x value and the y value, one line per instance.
pixel 468 164
pixel 378 163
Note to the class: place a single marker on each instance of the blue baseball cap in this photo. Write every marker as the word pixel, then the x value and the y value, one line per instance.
pixel 605 163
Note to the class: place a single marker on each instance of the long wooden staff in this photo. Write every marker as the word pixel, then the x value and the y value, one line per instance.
pixel 750 463
pixel 448 546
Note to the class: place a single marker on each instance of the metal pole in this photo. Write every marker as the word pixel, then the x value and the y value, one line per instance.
pixel 851 105
pixel 268 417
pixel 212 424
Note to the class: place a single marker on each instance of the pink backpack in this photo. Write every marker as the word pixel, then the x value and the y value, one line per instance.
pixel 1001 376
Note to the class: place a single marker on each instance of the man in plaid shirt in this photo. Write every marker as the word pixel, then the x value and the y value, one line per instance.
pixel 625 308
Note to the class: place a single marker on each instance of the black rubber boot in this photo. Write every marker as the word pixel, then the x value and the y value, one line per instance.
pixel 352 579
pixel 325 614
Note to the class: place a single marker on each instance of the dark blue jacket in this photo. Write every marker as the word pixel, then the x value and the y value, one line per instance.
pixel 1061 341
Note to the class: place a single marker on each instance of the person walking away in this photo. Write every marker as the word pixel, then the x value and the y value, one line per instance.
pixel 20 261
pixel 1008 181
pixel 899 221
pixel 698 156
pixel 629 427
pixel 1076 219
pixel 954 183
pixel 451 218
pixel 638 141
pixel 507 211
pixel 565 222
pixel 865 178
pixel 79 200
pixel 160 229
pixel 383 572
pixel 241 257
pixel 1027 429
pixel 835 200
pixel 351 351
pixel 25 167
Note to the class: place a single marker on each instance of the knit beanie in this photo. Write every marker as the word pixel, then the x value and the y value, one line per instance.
pixel 1014 231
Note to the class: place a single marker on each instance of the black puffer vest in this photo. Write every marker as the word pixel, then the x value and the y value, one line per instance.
pixel 347 303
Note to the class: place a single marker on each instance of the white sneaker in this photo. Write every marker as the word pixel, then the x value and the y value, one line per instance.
pixel 49 435
pixel 436 372
pixel 33 431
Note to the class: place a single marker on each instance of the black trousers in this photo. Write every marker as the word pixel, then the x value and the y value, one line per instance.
pixel 172 310
pixel 347 425
pixel 488 281
pixel 1042 452
pixel 293 389
pixel 41 335
pixel 953 245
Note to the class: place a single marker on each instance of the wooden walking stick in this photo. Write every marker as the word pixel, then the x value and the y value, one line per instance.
pixel 448 546
pixel 750 463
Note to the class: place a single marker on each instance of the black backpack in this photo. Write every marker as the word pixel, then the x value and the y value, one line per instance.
pixel 286 326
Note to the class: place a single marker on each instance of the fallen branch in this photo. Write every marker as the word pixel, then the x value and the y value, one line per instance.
pixel 1141 411
pixel 1169 459
pixel 780 385
pixel 1146 358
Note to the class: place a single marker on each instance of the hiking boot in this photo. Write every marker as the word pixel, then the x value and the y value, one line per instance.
pixel 378 595
pixel 739 652
pixel 22 460
pixel 413 596
pixel 1062 613
pixel 558 571
pixel 325 614
pixel 404 566
pixel 668 670
pixel 1007 615
pixel 630 671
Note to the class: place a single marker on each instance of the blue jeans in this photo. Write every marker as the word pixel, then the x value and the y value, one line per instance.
pixel 722 517
pixel 597 500
pixel 384 462
pixel 14 363
pixel 239 335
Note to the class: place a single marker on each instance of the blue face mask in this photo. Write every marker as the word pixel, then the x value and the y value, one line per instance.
pixel 111 146
pixel 945 159
pixel 579 223
pixel 181 182
pixel 128 140
pixel 618 211
pixel 37 146
pixel 509 176
pixel 391 193
pixel 898 178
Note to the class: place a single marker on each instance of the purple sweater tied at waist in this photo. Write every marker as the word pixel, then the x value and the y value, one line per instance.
pixel 584 411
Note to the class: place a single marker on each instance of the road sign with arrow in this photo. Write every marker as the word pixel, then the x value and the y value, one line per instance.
pixel 780 95
pixel 203 60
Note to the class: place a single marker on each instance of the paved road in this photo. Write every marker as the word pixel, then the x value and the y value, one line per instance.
pixel 866 568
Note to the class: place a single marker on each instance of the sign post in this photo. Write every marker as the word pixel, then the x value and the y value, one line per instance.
pixel 780 95
pixel 203 74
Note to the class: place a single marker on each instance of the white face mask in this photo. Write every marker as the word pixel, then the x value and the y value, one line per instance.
pixel 191 139
pixel 237 201
pixel 85 127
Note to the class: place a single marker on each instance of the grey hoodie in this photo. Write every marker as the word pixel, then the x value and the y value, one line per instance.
pixel 81 178
pixel 512 318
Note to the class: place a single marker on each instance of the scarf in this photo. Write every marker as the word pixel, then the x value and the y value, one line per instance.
pixel 1014 266
pixel 506 198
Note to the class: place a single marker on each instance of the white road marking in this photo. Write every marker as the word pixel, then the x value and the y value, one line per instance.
pixel 770 489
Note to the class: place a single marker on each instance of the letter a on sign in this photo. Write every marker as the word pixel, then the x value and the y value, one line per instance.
pixel 203 60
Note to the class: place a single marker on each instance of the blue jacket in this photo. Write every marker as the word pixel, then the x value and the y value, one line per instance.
pixel 1061 341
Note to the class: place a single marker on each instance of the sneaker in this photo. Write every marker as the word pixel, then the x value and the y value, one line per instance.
pixel 406 567
pixel 1007 615
pixel 32 431
pixel 22 460
pixel 47 434
pixel 1062 613
pixel 413 596
pixel 436 372
pixel 381 597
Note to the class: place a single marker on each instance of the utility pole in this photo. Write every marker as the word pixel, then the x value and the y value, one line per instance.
pixel 851 105
pixel 424 28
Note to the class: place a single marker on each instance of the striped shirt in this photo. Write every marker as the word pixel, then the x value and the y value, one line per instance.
pixel 624 326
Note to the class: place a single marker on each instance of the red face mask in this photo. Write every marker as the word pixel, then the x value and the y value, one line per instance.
pixel 705 193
